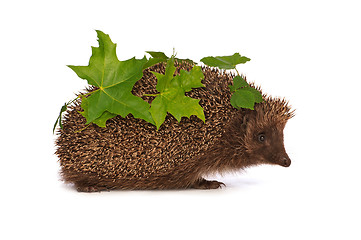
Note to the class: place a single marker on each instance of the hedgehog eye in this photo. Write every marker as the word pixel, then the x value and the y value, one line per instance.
pixel 261 137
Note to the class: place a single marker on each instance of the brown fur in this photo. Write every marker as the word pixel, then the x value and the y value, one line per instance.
pixel 130 154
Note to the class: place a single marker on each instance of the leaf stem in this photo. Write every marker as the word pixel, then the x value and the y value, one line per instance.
pixel 80 130
pixel 80 96
pixel 237 71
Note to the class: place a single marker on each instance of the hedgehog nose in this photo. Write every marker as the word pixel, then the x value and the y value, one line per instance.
pixel 286 161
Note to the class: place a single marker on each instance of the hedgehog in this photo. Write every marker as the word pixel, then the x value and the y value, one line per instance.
pixel 132 154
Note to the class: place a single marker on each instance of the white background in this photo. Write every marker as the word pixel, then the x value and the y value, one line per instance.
pixel 306 51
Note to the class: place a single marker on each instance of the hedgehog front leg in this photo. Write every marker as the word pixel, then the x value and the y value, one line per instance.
pixel 205 184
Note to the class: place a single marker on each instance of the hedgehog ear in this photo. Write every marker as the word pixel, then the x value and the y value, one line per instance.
pixel 261 111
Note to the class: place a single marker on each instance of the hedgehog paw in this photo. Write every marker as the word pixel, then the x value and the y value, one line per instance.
pixel 87 189
pixel 205 184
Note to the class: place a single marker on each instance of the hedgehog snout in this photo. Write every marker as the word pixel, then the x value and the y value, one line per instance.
pixel 285 161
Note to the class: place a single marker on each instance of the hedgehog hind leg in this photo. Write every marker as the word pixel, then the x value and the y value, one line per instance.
pixel 206 184
pixel 82 182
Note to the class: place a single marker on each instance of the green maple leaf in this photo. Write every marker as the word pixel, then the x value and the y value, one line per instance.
pixel 171 96
pixel 115 80
pixel 225 62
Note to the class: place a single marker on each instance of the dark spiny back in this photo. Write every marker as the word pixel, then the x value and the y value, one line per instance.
pixel 132 148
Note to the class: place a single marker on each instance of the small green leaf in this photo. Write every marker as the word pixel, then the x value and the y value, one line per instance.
pixel 243 99
pixel 225 62
pixel 238 82
pixel 257 95
pixel 156 57
pixel 58 120
pixel 159 55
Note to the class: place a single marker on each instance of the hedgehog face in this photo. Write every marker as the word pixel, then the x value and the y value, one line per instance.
pixel 268 147
pixel 263 138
